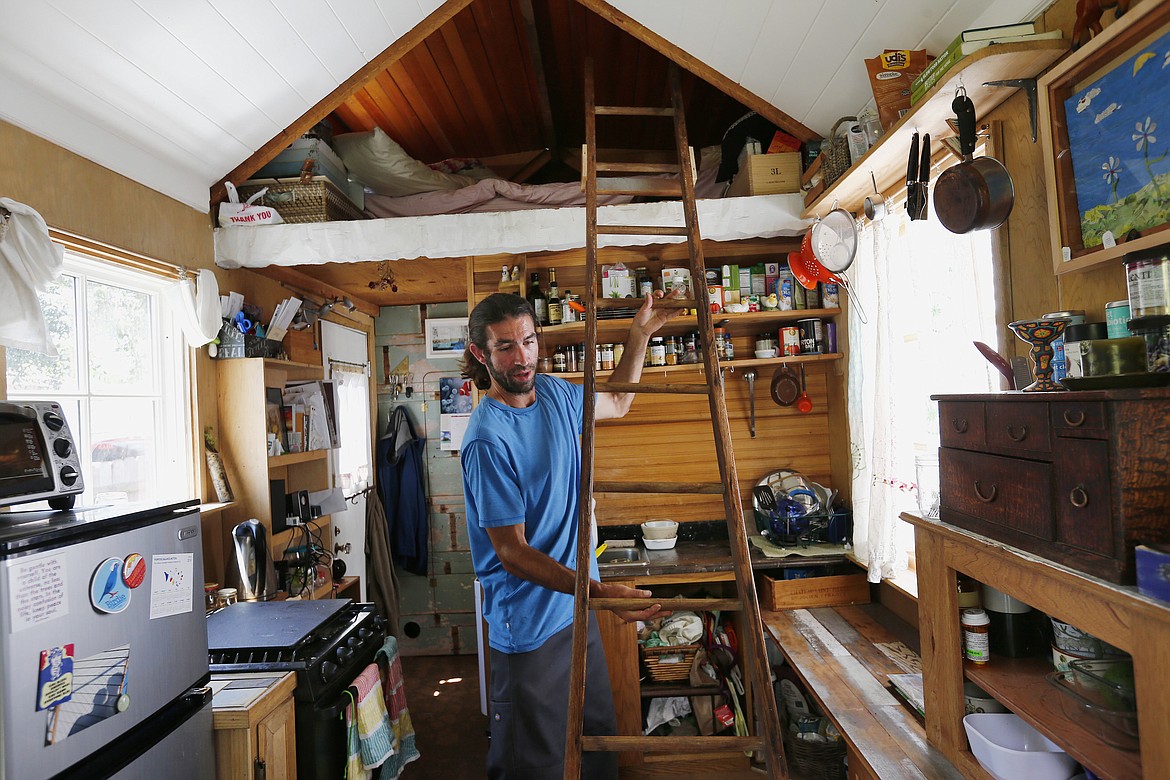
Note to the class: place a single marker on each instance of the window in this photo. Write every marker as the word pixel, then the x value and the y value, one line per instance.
pixel 928 294
pixel 120 376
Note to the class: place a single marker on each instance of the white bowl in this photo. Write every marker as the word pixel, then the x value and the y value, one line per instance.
pixel 764 354
pixel 660 544
pixel 659 529
pixel 1010 749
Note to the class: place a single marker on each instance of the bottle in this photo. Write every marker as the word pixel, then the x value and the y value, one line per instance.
pixel 568 314
pixel 555 313
pixel 560 362
pixel 619 349
pixel 671 351
pixel 691 352
pixel 976 644
pixel 657 352
pixel 645 284
pixel 721 343
pixel 606 357
pixel 537 299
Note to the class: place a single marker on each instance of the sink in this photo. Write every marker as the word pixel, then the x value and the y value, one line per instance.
pixel 620 555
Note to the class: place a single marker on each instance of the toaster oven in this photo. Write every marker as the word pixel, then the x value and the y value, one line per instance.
pixel 38 457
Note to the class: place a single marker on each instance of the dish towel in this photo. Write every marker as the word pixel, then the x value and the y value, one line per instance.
pixel 401 729
pixel 354 768
pixel 373 725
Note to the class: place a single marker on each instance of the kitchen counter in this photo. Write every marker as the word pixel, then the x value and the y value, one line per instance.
pixel 695 557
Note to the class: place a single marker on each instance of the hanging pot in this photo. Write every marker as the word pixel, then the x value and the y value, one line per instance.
pixel 785 385
pixel 976 194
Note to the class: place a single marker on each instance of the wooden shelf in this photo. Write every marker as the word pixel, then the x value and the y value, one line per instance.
pixel 726 365
pixel 886 160
pixel 736 324
pixel 292 458
pixel 653 690
pixel 295 371
pixel 1019 684
pixel 214 508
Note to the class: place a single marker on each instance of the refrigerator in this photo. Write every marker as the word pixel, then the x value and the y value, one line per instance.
pixel 103 645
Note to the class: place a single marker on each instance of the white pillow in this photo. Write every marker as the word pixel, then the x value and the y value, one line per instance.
pixel 381 164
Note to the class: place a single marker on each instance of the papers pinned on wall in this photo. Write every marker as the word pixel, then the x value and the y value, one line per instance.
pixel 451 430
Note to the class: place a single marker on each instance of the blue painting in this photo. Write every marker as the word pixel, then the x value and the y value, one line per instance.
pixel 1120 164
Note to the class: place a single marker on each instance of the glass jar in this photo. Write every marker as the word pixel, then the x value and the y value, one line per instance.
pixel 618 351
pixel 657 352
pixel 209 589
pixel 721 343
pixel 225 597
pixel 559 362
pixel 607 357
pixel 690 348
pixel 671 351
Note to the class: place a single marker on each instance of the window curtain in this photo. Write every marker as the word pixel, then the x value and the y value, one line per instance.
pixel 353 395
pixel 29 262
pixel 928 294
pixel 197 314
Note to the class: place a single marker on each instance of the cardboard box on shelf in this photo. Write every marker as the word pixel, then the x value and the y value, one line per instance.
pixel 891 76
pixel 767 174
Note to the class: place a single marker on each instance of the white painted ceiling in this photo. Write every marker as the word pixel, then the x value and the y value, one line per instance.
pixel 176 93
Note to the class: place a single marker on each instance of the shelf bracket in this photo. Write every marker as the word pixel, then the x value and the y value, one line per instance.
pixel 1029 87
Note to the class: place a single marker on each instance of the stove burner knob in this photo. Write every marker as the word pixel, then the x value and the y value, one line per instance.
pixel 344 654
pixel 354 642
pixel 365 633
pixel 328 670
pixel 379 623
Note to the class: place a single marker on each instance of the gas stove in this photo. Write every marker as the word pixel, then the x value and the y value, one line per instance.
pixel 328 643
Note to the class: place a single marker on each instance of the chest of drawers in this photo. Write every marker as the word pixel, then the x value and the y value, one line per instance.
pixel 1080 478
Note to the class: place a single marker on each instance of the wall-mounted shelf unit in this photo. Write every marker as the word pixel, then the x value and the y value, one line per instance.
pixel 886 160
pixel 649 371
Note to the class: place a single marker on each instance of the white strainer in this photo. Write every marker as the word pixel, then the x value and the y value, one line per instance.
pixel 834 240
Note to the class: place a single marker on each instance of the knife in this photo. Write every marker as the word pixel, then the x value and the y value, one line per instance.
pixel 912 178
pixel 924 178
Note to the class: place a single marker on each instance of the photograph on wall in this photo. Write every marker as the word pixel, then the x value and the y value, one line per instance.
pixel 446 336
pixel 1120 165
pixel 454 395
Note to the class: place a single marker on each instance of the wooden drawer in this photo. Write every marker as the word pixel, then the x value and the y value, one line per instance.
pixel 1084 516
pixel 1073 417
pixel 960 424
pixel 1009 493
pixel 1018 427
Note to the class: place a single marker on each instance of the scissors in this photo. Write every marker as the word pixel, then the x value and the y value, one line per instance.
pixel 242 323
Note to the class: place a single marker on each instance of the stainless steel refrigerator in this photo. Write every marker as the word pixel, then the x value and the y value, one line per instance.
pixel 103 656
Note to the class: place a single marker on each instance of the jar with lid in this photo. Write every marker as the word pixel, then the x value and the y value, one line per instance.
pixel 671 351
pixel 209 589
pixel 225 597
pixel 560 363
pixel 657 351
pixel 976 635
pixel 619 349
pixel 721 343
pixel 607 357
pixel 1147 276
pixel 571 359
pixel 544 365
pixel 690 348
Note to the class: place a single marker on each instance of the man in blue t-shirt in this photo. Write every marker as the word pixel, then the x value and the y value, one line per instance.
pixel 521 475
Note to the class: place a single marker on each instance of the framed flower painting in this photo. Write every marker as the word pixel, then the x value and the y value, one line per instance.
pixel 1107 135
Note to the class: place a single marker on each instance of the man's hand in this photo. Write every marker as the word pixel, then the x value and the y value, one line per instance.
pixel 650 318
pixel 614 591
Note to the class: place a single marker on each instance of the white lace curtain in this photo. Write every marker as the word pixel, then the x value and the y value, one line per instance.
pixel 353 395
pixel 928 294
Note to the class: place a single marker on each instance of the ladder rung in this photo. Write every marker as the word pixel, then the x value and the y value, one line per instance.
pixel 645 387
pixel 641 230
pixel 700 488
pixel 638 167
pixel 634 303
pixel 620 185
pixel 671 744
pixel 696 605
pixel 633 111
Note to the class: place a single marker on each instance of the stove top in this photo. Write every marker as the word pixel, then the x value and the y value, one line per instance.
pixel 268 625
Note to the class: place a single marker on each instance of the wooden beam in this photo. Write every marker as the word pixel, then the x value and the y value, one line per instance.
pixel 343 92
pixel 571 156
pixel 540 160
pixel 547 126
pixel 700 69
pixel 510 165
pixel 303 281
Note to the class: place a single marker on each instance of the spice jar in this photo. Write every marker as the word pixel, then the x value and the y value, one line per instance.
pixel 560 363
pixel 976 645
pixel 619 349
pixel 607 357
pixel 671 352
pixel 209 589
pixel 225 597
pixel 657 352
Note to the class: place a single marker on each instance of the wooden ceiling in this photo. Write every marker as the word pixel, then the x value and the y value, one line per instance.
pixel 503 79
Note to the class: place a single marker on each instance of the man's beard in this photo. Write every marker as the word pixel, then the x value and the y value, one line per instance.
pixel 507 383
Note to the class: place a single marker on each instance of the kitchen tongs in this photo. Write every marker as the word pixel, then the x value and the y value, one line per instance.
pixel 918 178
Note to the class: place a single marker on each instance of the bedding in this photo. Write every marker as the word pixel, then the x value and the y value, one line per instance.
pixel 377 160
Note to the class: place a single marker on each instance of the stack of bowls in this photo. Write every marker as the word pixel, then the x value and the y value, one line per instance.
pixel 1010 749
pixel 1070 644
pixel 659 534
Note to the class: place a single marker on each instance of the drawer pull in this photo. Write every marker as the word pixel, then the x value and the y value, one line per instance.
pixel 1074 417
pixel 985 499
pixel 959 424
pixel 1023 432
pixel 1078 497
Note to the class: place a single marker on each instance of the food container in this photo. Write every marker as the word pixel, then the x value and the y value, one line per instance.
pixel 976 635
pixel 1062 659
pixel 1105 357
pixel 1091 707
pixel 1111 678
pixel 659 529
pixel 1009 748
pixel 975 699
pixel 660 544
pixel 1074 335
pixel 1147 277
pixel 1070 317
pixel 1116 317
pixel 1155 334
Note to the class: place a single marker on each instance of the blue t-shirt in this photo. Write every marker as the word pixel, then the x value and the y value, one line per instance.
pixel 524 466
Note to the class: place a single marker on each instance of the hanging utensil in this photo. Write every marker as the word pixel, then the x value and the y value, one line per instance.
pixel 784 386
pixel 912 199
pixel 834 240
pixel 750 376
pixel 804 404
pixel 875 205
pixel 976 194
pixel 924 178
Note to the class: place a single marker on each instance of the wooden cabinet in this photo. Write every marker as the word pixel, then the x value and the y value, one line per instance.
pixel 255 733
pixel 243 440
pixel 1079 478
pixel 1116 614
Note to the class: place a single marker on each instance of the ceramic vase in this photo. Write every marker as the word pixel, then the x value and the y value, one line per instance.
pixel 1039 335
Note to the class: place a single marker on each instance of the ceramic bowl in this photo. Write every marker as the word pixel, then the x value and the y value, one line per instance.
pixel 660 544
pixel 1010 749
pixel 763 354
pixel 1062 658
pixel 975 699
pixel 659 529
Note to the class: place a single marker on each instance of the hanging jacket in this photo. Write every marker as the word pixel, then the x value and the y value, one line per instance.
pixel 381 580
pixel 400 466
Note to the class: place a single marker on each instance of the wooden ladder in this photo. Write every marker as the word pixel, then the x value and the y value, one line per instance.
pixel 753 655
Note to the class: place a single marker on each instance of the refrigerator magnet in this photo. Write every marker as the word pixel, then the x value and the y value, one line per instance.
pixel 108 592
pixel 134 570
pixel 55 681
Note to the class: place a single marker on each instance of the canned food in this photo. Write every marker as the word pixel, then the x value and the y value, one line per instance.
pixel 1147 276
pixel 1116 317
pixel 790 340
pixel 811 335
pixel 715 297
pixel 1059 363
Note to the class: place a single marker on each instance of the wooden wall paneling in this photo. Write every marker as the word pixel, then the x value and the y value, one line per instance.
pixel 424 75
pixel 421 102
pixel 461 67
pixel 511 71
pixel 1092 289
pixel 440 76
pixel 472 40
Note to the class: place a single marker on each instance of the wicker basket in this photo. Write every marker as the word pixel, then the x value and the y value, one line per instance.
pixel 837 159
pixel 667 663
pixel 816 760
pixel 317 200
